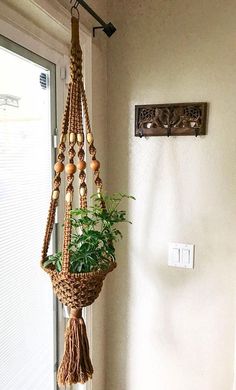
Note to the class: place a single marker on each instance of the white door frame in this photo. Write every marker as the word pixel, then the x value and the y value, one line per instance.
pixel 21 30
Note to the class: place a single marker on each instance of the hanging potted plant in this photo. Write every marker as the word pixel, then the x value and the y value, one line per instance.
pixel 94 232
pixel 77 271
pixel 92 256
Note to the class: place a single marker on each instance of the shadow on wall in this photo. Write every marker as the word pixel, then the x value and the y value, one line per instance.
pixel 138 257
pixel 146 300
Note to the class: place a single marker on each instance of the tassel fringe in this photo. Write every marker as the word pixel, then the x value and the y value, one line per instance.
pixel 76 366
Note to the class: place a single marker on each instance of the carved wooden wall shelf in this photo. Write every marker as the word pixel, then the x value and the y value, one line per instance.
pixel 170 119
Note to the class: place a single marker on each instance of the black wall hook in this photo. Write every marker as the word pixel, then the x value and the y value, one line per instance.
pixel 108 28
pixel 140 134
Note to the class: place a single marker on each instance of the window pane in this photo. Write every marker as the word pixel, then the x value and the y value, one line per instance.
pixel 26 305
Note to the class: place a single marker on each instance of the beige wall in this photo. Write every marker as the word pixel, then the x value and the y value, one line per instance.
pixel 167 328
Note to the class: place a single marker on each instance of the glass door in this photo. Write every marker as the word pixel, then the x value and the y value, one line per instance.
pixel 27 306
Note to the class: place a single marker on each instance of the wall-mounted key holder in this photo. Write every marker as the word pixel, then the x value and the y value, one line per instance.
pixel 170 119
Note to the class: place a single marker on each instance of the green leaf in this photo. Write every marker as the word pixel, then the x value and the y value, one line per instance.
pixel 94 234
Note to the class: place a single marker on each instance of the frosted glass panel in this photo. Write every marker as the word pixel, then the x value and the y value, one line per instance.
pixel 26 304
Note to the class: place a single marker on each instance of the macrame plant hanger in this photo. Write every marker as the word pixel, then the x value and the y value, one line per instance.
pixel 74 290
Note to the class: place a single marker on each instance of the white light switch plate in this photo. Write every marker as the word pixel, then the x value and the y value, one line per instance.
pixel 181 255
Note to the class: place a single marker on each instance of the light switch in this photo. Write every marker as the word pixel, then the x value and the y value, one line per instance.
pixel 181 255
pixel 186 256
pixel 176 255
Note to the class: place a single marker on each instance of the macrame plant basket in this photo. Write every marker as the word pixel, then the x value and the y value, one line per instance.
pixel 75 290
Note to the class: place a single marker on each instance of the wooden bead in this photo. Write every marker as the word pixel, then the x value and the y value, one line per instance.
pixel 59 167
pixel 70 169
pixel 69 197
pixel 80 137
pixel 72 137
pixel 63 138
pixel 95 165
pixel 55 194
pixel 82 191
pixel 90 138
pixel 81 165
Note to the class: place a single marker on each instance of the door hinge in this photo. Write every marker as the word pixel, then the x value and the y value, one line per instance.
pixel 54 138
pixel 55 141
pixel 56 220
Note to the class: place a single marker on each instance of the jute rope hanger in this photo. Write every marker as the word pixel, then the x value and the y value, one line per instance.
pixel 74 290
pixel 72 125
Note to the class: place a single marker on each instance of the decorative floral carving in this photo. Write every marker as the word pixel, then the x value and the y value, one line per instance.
pixel 171 119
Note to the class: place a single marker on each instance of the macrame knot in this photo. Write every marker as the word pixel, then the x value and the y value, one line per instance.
pixel 76 53
pixel 76 313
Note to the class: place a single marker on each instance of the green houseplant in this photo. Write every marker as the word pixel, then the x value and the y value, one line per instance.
pixel 94 234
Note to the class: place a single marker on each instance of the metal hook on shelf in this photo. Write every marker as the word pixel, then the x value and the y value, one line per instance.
pixel 140 133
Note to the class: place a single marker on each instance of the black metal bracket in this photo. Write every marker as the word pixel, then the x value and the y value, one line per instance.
pixel 108 28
